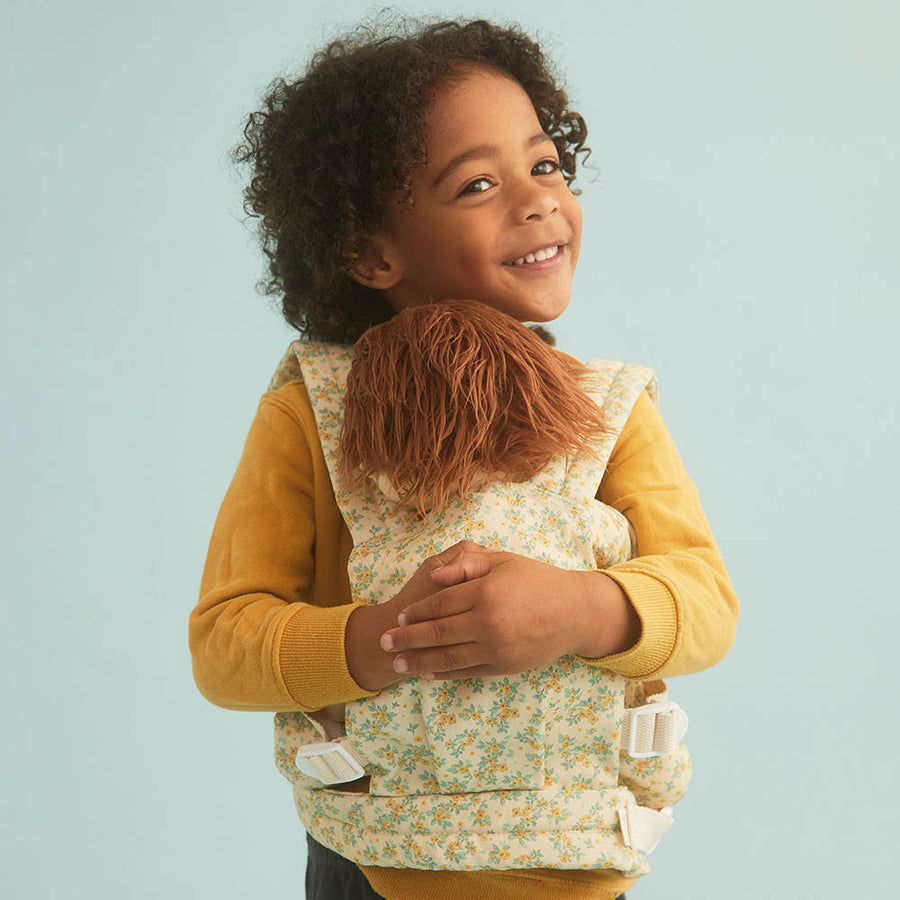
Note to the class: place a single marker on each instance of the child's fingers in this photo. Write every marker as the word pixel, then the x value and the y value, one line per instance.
pixel 463 569
pixel 467 565
pixel 439 605
pixel 432 633
pixel 439 660
pixel 452 552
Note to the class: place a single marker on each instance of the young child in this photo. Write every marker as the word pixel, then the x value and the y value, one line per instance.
pixel 402 172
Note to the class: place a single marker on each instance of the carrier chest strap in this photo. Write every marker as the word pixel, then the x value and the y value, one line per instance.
pixel 652 729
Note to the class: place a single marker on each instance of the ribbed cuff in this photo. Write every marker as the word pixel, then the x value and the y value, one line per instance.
pixel 312 659
pixel 658 613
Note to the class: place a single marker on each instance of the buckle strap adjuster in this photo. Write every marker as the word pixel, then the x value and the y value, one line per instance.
pixel 331 762
pixel 653 729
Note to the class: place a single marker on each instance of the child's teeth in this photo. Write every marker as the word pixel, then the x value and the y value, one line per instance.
pixel 537 256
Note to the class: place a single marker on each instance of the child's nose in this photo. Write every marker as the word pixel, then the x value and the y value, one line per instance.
pixel 534 202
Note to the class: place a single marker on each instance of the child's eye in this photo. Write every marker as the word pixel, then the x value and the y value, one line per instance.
pixel 478 186
pixel 545 167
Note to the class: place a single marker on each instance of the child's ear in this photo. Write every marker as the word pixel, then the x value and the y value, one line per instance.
pixel 375 265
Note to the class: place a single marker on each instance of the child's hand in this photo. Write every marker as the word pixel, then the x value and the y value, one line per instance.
pixel 501 613
pixel 370 665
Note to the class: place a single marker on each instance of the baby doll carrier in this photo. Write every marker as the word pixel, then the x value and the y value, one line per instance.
pixel 551 768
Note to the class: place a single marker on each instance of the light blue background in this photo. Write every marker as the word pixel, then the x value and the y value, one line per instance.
pixel 741 239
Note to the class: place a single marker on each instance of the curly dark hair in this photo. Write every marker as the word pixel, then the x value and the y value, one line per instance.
pixel 329 149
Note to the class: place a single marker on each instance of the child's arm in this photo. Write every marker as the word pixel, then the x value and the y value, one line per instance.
pixel 678 587
pixel 274 628
pixel 678 582
pixel 257 640
pixel 270 630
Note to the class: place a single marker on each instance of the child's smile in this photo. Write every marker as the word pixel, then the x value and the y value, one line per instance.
pixel 492 217
pixel 542 254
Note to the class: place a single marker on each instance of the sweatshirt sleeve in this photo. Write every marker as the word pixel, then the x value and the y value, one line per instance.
pixel 260 638
pixel 677 582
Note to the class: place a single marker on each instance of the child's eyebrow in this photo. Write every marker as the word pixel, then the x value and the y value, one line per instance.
pixel 480 152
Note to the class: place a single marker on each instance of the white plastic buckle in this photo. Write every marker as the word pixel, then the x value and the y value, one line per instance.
pixel 654 709
pixel 312 760
pixel 642 828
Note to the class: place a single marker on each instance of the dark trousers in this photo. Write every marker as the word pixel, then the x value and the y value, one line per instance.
pixel 331 877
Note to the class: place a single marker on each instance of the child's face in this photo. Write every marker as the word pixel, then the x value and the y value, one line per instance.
pixel 491 193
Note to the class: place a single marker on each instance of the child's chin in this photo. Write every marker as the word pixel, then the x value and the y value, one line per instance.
pixel 548 311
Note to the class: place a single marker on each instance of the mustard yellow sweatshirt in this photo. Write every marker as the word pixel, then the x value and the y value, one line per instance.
pixel 268 630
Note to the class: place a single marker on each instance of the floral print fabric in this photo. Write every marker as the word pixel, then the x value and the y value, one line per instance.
pixel 496 772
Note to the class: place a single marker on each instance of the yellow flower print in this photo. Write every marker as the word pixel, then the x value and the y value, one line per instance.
pixel 444 719
pixel 480 818
pixel 565 664
pixel 553 522
pixel 453 849
pixel 397 578
pixel 441 815
pixel 444 692
pixel 524 816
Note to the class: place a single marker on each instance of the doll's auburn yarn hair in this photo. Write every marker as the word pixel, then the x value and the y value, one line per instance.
pixel 446 393
pixel 329 150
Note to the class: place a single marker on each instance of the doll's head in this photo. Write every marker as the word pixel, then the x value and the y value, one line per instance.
pixel 447 397
pixel 415 164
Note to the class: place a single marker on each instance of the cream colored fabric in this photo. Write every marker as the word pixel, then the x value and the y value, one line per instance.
pixel 651 730
pixel 506 772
